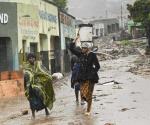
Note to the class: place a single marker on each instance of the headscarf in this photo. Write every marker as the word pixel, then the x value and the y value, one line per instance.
pixel 86 45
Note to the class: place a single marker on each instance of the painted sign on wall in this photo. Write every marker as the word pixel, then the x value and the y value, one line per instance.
pixel 28 26
pixel 28 21
pixel 3 18
pixel 65 19
pixel 48 16
pixel 48 19
pixel 68 25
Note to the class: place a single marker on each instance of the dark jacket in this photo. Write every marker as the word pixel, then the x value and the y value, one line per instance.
pixel 89 65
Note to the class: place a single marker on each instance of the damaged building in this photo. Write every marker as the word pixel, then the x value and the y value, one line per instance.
pixel 103 27
pixel 33 27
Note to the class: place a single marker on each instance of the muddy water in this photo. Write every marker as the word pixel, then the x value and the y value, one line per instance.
pixel 120 104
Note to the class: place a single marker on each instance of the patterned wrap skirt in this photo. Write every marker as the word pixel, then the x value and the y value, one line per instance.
pixel 86 90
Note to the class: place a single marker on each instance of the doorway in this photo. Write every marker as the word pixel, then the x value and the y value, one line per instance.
pixel 67 56
pixel 44 50
pixel 5 54
pixel 55 54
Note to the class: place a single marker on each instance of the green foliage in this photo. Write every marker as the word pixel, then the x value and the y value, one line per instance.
pixel 62 4
pixel 126 42
pixel 140 11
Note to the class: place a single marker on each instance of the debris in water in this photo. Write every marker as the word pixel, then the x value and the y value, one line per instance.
pixel 104 95
pixel 109 102
pixel 112 82
pixel 24 112
pixel 109 124
pixel 117 87
pixel 124 109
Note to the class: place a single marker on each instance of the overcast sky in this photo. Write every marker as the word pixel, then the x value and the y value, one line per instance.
pixel 97 8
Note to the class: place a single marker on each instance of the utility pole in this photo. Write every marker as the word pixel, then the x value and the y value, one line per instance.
pixel 106 16
pixel 121 16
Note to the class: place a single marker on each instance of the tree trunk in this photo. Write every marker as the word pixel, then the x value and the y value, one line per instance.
pixel 149 42
pixel 148 35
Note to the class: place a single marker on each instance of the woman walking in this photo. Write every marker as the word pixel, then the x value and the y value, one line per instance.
pixel 38 86
pixel 87 76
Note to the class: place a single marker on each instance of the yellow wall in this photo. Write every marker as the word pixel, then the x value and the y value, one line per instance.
pixel 35 20
pixel 36 24
pixel 48 19
pixel 33 2
pixel 28 25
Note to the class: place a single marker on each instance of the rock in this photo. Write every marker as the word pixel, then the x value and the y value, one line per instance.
pixel 102 95
pixel 99 90
pixel 124 109
pixel 96 100
pixel 117 87
pixel 24 112
pixel 109 124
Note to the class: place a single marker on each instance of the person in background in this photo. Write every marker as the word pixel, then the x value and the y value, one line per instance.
pixel 75 67
pixel 74 83
pixel 87 76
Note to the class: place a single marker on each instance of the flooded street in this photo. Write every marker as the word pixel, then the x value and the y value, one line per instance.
pixel 120 98
pixel 42 41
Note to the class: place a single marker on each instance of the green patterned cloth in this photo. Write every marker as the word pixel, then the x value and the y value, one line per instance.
pixel 41 80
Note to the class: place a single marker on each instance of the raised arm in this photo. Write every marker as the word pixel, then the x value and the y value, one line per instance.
pixel 74 50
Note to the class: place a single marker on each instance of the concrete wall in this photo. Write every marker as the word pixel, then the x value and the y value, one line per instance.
pixel 68 33
pixel 33 2
pixel 48 15
pixel 100 28
pixel 67 24
pixel 28 25
pixel 49 25
pixel 10 30
pixel 110 25
pixel 37 23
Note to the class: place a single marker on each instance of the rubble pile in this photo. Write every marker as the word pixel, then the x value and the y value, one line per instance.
pixel 109 49
pixel 142 66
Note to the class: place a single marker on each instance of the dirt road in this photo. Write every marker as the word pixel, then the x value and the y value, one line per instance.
pixel 124 103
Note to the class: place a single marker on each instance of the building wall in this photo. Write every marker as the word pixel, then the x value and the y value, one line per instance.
pixel 67 28
pixel 98 30
pixel 110 25
pixel 68 33
pixel 9 29
pixel 49 24
pixel 37 24
pixel 28 26
pixel 48 15
pixel 32 2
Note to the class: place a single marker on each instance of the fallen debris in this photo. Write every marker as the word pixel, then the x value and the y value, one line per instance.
pixel 112 82
pixel 109 124
pixel 117 87
pixel 114 49
pixel 124 109
pixel 102 95
pixel 142 66
pixel 24 112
